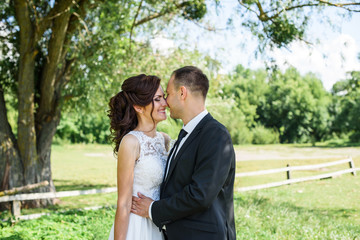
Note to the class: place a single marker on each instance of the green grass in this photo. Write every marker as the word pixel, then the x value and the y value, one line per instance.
pixel 321 209
pixel 83 167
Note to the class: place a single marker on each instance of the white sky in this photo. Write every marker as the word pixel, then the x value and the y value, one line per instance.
pixel 335 55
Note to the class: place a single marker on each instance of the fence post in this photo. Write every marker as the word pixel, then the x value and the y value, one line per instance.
pixel 352 166
pixel 15 208
pixel 288 174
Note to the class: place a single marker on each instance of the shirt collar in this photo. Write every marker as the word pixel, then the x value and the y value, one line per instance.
pixel 194 122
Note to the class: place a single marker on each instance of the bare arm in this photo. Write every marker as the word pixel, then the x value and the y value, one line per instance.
pixel 127 155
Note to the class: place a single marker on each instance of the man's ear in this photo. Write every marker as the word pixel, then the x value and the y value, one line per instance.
pixel 183 92
pixel 138 108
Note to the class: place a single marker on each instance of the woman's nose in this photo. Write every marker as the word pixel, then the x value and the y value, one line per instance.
pixel 164 102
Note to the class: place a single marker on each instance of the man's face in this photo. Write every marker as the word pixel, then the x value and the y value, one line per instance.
pixel 173 99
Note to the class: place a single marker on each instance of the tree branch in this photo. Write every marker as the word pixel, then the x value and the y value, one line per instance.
pixel 74 23
pixel 160 14
pixel 321 2
pixel 29 187
pixel 59 9
pixel 55 50
pixel 22 15
pixel 342 5
pixel 264 15
pixel 133 25
pixel 248 8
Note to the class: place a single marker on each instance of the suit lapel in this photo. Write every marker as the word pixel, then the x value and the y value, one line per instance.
pixel 188 141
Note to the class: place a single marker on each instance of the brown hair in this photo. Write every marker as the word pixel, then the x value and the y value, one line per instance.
pixel 193 78
pixel 137 90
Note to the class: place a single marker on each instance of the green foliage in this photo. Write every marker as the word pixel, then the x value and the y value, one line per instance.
pixel 278 23
pixel 72 224
pixel 262 135
pixel 195 10
pixel 296 106
pixel 283 31
pixel 223 109
pixel 346 106
pixel 85 128
pixel 268 106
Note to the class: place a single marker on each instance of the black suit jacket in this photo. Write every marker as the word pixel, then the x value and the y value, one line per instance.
pixel 196 199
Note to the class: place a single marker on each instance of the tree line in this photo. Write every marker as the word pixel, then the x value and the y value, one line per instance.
pixel 256 107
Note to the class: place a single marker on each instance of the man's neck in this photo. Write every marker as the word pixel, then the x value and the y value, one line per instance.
pixel 192 114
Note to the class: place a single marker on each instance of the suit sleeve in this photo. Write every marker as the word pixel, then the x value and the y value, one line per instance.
pixel 214 158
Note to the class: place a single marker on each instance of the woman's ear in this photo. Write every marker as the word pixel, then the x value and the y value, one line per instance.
pixel 138 109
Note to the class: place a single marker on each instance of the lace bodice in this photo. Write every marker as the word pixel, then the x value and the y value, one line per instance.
pixel 149 168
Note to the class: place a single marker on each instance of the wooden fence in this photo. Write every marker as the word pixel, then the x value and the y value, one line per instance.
pixel 16 199
pixel 289 169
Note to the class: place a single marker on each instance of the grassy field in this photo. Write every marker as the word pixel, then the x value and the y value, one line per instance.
pixel 322 209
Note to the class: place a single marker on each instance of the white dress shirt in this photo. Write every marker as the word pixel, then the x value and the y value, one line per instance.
pixel 189 127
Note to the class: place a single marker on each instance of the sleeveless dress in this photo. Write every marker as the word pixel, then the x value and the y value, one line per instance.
pixel 148 175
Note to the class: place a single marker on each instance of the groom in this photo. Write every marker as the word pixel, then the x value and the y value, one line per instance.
pixel 197 190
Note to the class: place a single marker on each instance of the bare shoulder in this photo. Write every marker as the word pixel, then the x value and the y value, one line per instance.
pixel 129 145
pixel 129 141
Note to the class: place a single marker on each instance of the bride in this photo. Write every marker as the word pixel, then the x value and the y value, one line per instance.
pixel 141 151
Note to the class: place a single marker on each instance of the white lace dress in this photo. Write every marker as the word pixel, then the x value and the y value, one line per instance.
pixel 148 175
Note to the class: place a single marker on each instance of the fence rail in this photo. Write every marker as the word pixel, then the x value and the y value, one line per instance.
pixel 34 196
pixel 288 169
pixel 16 199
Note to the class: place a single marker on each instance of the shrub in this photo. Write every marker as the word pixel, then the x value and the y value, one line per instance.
pixel 262 135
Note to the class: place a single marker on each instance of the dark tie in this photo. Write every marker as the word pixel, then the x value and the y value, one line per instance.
pixel 173 151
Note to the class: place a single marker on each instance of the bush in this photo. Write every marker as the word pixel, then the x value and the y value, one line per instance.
pixel 89 128
pixel 241 134
pixel 262 135
pixel 355 137
pixel 232 118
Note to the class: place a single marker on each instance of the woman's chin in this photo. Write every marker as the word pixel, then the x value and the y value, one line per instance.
pixel 161 118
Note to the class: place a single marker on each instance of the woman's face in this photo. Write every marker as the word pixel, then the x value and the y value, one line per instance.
pixel 160 105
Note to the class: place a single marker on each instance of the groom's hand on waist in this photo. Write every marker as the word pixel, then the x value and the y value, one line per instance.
pixel 140 205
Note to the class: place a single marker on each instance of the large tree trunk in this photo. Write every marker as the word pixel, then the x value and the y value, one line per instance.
pixel 37 122
pixel 11 168
pixel 48 114
pixel 26 121
pixel 34 139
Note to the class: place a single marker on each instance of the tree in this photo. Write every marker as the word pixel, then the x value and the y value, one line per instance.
pixel 346 107
pixel 296 106
pixel 46 45
pixel 247 87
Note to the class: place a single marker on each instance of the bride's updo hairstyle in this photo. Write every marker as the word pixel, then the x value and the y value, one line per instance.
pixel 138 90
